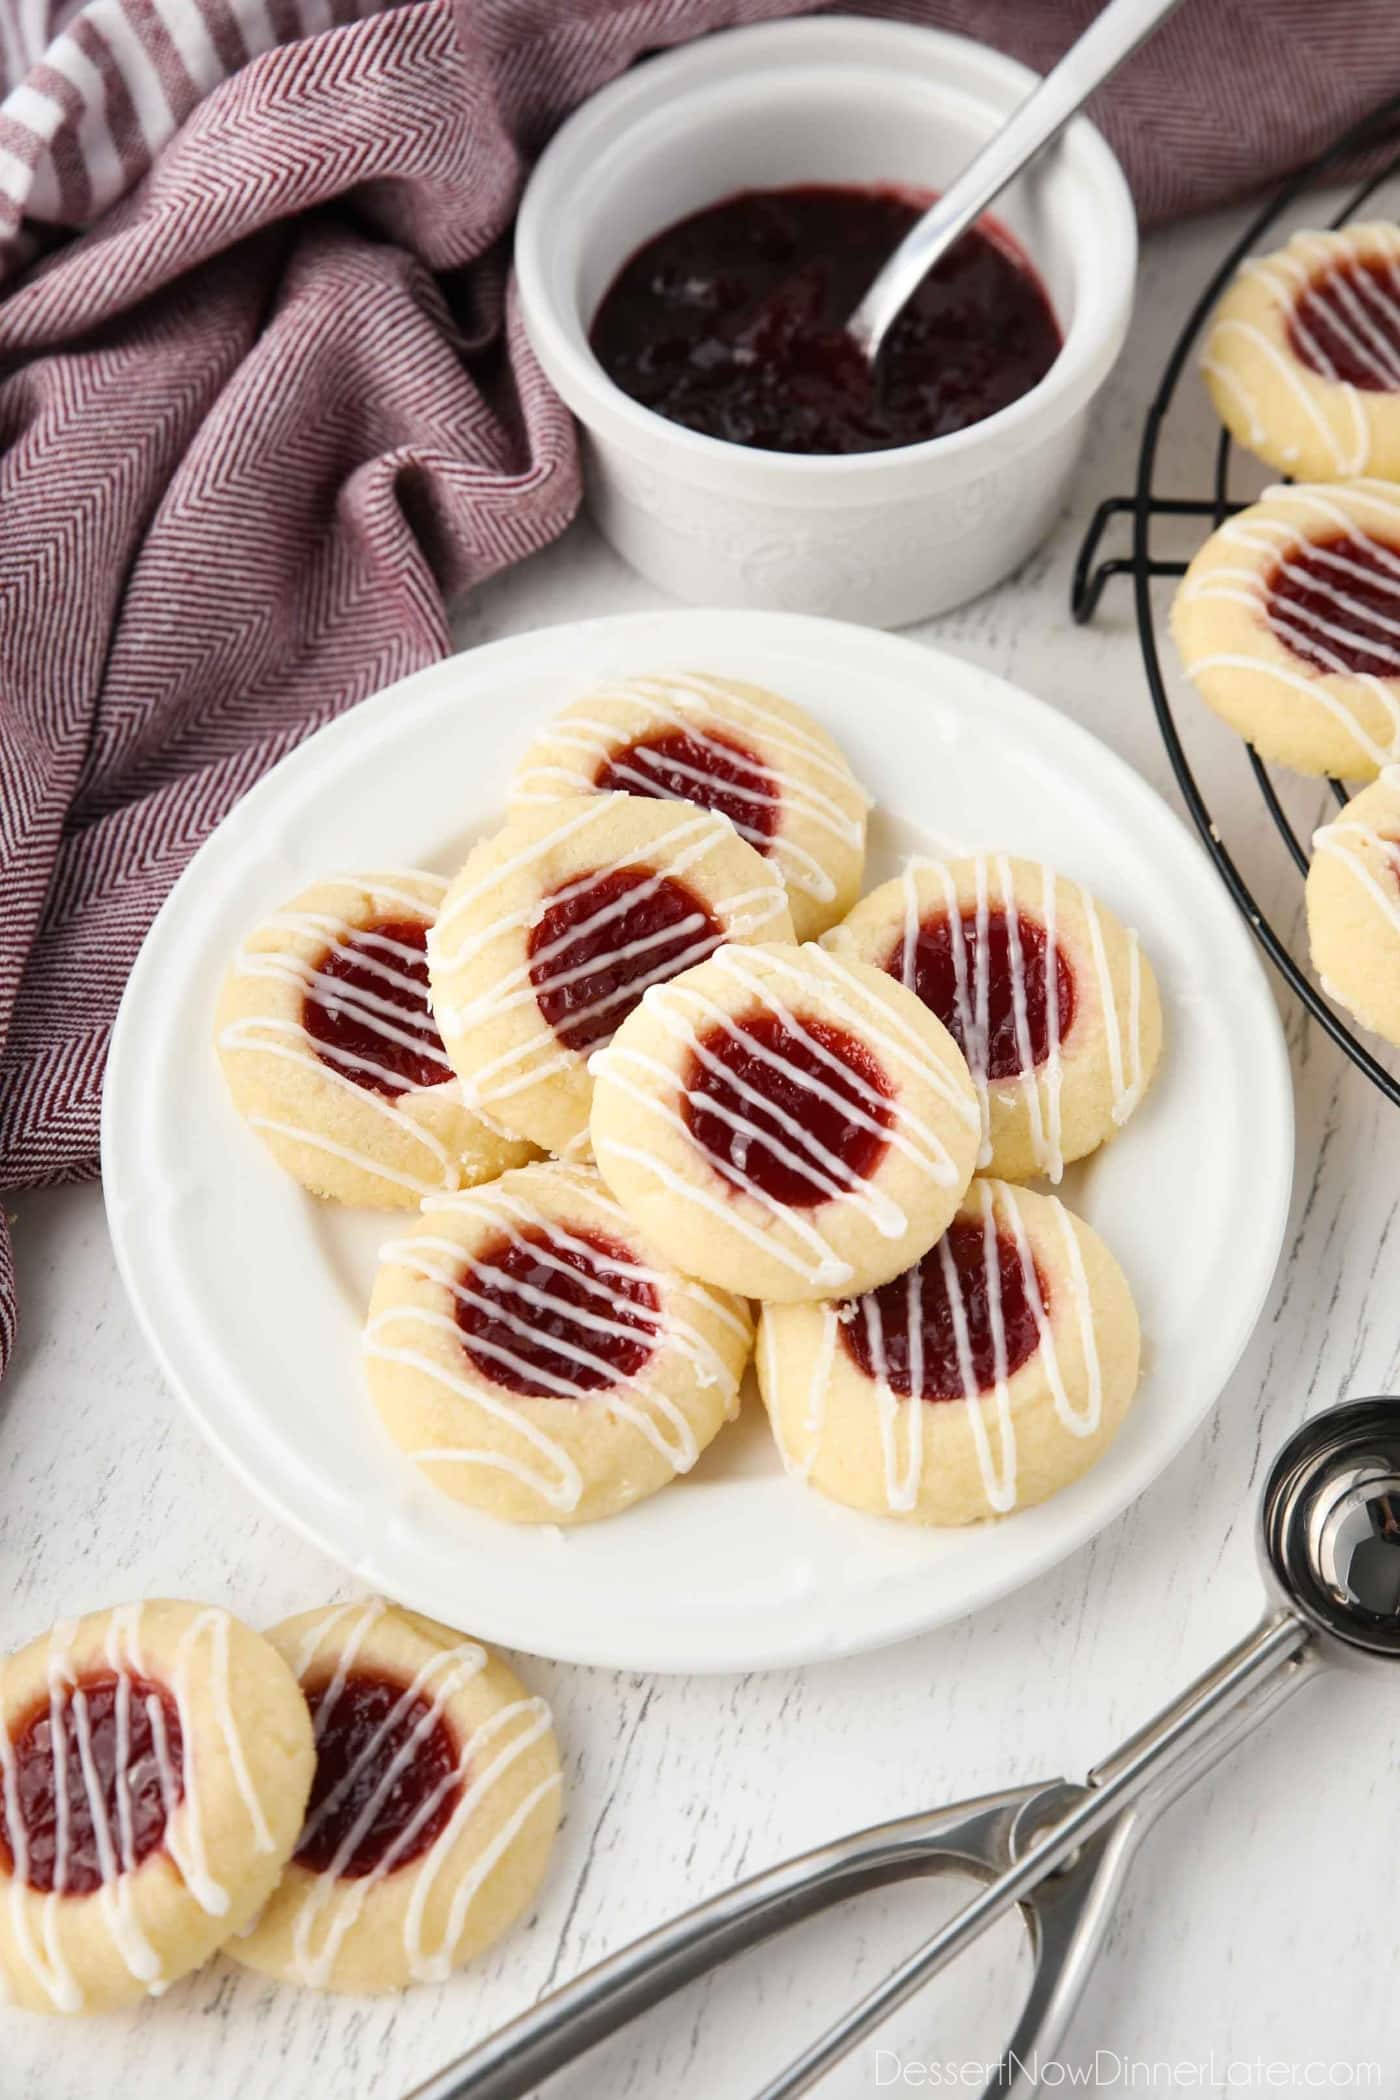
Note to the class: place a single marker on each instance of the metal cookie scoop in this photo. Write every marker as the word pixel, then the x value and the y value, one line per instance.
pixel 1329 1541
pixel 1113 35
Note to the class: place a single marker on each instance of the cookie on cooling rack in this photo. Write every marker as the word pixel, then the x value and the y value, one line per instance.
pixel 1302 359
pixel 785 1123
pixel 433 1809
pixel 723 745
pixel 156 1761
pixel 332 1054
pixel 556 926
pixel 540 1358
pixel 984 1379
pixel 1047 994
pixel 1288 624
pixel 1353 896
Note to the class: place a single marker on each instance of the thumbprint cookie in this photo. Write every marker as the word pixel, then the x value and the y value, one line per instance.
pixel 1302 359
pixel 1288 624
pixel 1354 906
pixel 1048 996
pixel 155 1763
pixel 538 1357
pixel 991 1374
pixel 757 759
pixel 783 1122
pixel 432 1813
pixel 557 925
pixel 332 1054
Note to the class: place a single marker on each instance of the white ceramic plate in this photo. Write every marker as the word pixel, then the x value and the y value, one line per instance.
pixel 252 1294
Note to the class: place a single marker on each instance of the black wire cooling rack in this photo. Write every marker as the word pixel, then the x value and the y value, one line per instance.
pixel 1377 139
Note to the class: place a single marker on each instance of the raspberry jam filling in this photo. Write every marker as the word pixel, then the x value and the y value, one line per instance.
pixel 555 1314
pixel 387 1777
pixel 954 973
pixel 602 939
pixel 97 1769
pixel 801 1117
pixel 713 771
pixel 1346 326
pixel 907 1331
pixel 367 1012
pixel 1336 603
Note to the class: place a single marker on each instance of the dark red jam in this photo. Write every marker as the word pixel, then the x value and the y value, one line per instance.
pixel 823 1100
pixel 549 1310
pixel 1336 604
pixel 592 954
pixel 123 1750
pixel 732 322
pixel 359 1736
pixel 935 979
pixel 368 1013
pixel 908 1325
pixel 713 771
pixel 1346 326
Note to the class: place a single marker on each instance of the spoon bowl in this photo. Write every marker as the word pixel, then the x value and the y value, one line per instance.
pixel 1329 1526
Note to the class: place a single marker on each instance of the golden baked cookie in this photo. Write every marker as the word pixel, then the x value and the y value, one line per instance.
pixel 991 1374
pixel 433 1810
pixel 556 926
pixel 1302 359
pixel 155 1762
pixel 1354 906
pixel 538 1358
pixel 1047 994
pixel 723 745
pixel 331 1052
pixel 1288 623
pixel 786 1123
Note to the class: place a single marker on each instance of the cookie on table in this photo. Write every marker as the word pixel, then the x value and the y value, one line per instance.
pixel 155 1762
pixel 433 1811
pixel 1288 624
pixel 1047 994
pixel 723 745
pixel 994 1372
pixel 786 1123
pixel 556 926
pixel 1302 360
pixel 1353 894
pixel 540 1359
pixel 331 1052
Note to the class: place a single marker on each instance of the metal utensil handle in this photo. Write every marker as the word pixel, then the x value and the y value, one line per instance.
pixel 1140 1764
pixel 1110 38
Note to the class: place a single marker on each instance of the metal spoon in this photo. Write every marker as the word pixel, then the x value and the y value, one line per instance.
pixel 1329 1542
pixel 1111 37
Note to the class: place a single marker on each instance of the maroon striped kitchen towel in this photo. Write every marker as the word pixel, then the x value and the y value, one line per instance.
pixel 266 408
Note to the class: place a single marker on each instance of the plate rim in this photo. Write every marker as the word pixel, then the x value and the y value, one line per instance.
pixel 363 722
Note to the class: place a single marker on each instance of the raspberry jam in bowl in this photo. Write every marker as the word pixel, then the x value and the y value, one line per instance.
pixel 772 483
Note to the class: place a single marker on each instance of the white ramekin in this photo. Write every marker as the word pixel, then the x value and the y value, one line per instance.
pixel 885 537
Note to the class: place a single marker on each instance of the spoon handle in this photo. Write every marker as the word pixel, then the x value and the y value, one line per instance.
pixel 1112 36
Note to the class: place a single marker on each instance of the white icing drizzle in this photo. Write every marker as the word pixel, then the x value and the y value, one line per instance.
pixel 1041 1086
pixel 704 709
pixel 821 978
pixel 1350 841
pixel 444 1262
pixel 440 1678
pixel 1377 633
pixel 183 1838
pixel 290 1041
pixel 518 987
pixel 990 1418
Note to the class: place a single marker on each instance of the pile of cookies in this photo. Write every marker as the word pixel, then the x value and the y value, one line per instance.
pixel 660 1086
pixel 1288 619
pixel 358 1800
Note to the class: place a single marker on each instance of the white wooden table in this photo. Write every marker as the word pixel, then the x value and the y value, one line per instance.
pixel 1259 1924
